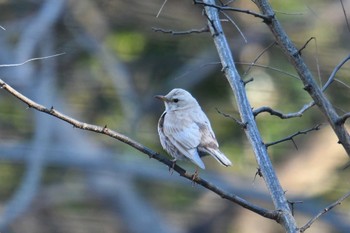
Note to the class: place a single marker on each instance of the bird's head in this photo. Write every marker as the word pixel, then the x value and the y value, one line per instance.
pixel 178 99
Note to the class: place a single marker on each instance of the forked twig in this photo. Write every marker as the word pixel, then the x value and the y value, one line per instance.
pixel 324 211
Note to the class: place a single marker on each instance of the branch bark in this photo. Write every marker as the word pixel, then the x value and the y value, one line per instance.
pixel 247 116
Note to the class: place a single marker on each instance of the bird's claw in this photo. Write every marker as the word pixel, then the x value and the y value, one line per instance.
pixel 171 169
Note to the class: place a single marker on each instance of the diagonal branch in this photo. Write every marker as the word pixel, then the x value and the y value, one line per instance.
pixel 324 211
pixel 145 150
pixel 291 137
pixel 336 69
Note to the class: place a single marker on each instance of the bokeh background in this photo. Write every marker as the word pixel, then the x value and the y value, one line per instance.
pixel 54 178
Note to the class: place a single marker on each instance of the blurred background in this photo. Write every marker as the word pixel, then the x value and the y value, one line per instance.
pixel 55 178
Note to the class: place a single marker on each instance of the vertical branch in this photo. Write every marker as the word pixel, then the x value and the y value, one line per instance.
pixel 247 116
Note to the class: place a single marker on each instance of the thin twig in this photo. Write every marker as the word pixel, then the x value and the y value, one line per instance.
pixel 177 33
pixel 306 43
pixel 346 17
pixel 334 72
pixel 291 137
pixel 243 125
pixel 257 57
pixel 324 211
pixel 236 26
pixel 226 8
pixel 269 68
pixel 161 8
pixel 138 146
pixel 32 59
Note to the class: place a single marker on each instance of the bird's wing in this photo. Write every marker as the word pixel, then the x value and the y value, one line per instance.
pixel 208 143
pixel 185 135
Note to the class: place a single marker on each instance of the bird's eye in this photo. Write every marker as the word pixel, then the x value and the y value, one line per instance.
pixel 175 100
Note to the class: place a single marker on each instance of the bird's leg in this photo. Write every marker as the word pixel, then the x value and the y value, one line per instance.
pixel 171 169
pixel 194 176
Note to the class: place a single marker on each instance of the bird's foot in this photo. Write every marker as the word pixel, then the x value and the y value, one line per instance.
pixel 171 169
pixel 194 177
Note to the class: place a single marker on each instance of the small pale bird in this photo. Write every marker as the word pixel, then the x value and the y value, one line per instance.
pixel 185 131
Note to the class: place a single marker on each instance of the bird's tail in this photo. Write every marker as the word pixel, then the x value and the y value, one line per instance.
pixel 219 156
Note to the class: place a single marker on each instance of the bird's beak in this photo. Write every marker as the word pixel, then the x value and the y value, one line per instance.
pixel 161 97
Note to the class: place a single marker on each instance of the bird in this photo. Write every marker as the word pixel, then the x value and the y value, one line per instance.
pixel 185 131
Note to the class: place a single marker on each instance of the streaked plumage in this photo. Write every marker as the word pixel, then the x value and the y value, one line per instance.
pixel 185 131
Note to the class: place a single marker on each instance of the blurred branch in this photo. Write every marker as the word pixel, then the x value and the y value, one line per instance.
pixel 32 59
pixel 30 183
pixel 176 33
pixel 257 57
pixel 324 211
pixel 345 15
pixel 138 146
pixel 305 74
pixel 269 68
pixel 291 137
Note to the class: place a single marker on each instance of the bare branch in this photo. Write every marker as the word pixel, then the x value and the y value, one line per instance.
pixel 324 211
pixel 306 43
pixel 138 146
pixel 226 8
pixel 177 33
pixel 343 118
pixel 282 115
pixel 243 125
pixel 252 132
pixel 291 137
pixel 332 76
pixel 32 59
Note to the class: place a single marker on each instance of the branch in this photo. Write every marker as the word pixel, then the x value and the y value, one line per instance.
pixel 138 146
pixel 305 74
pixel 291 137
pixel 324 211
pixel 306 43
pixel 343 118
pixel 226 8
pixel 177 33
pixel 252 132
pixel 334 72
pixel 282 115
pixel 243 125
